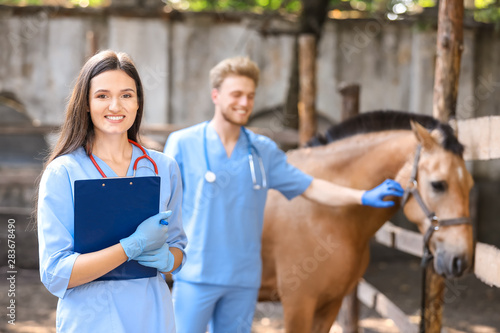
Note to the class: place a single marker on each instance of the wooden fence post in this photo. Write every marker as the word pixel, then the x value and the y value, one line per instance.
pixel 348 317
pixel 307 84
pixel 434 296
pixel 92 45
pixel 350 100
pixel 449 51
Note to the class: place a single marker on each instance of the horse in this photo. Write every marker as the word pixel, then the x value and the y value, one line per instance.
pixel 313 255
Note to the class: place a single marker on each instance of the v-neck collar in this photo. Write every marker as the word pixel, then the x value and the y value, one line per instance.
pixel 110 173
pixel 212 135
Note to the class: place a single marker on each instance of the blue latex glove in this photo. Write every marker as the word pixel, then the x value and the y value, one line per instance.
pixel 151 234
pixel 161 259
pixel 375 197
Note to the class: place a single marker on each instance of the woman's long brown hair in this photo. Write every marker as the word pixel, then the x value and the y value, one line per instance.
pixel 78 129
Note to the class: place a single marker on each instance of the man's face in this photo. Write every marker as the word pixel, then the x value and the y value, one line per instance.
pixel 234 99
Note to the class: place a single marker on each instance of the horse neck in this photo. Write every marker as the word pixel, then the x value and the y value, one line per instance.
pixel 363 162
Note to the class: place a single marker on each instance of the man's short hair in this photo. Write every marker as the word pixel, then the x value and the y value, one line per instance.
pixel 241 66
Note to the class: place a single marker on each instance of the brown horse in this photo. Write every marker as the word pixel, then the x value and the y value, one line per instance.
pixel 314 255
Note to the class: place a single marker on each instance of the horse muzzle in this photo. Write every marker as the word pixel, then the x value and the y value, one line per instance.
pixel 450 265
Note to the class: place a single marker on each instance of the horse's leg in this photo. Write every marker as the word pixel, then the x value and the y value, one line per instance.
pixel 298 314
pixel 325 316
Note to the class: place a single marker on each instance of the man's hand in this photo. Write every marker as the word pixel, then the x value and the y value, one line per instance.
pixel 375 197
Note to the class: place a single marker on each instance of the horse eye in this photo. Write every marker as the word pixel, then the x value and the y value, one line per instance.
pixel 439 186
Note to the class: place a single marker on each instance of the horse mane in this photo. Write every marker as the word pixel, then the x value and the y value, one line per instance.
pixel 384 120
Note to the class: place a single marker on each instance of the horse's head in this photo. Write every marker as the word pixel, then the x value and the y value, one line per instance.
pixel 442 212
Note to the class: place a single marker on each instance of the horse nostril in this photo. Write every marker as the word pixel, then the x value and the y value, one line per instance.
pixel 458 266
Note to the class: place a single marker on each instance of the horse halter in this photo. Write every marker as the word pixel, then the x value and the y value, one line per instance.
pixel 436 223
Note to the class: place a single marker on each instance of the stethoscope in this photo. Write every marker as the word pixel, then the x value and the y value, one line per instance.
pixel 144 155
pixel 210 175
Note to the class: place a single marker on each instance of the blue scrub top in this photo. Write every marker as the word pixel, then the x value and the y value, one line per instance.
pixel 223 220
pixel 139 305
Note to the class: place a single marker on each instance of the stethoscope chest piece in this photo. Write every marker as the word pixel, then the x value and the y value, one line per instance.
pixel 210 176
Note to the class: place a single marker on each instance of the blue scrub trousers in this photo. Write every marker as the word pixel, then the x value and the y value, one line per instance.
pixel 224 309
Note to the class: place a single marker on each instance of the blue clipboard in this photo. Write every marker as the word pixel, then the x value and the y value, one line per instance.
pixel 109 209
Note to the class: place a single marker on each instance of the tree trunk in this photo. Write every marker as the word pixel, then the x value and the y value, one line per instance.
pixel 314 13
pixel 450 38
pixel 307 96
pixel 449 51
pixel 348 316
pixel 312 19
pixel 290 111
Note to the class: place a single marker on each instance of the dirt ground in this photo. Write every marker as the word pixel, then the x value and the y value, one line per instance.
pixel 470 305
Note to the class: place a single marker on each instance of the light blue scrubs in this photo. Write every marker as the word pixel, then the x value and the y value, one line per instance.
pixel 223 219
pixel 140 305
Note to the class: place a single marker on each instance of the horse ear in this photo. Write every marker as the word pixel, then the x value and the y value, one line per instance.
pixel 438 136
pixel 454 126
pixel 423 136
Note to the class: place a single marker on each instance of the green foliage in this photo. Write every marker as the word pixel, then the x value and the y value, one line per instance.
pixel 481 4
pixel 21 2
pixel 426 3
pixel 424 26
pixel 87 3
pixel 486 10
pixel 66 3
pixel 290 6
pixel 488 15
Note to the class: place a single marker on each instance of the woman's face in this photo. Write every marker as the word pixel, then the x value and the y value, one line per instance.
pixel 113 103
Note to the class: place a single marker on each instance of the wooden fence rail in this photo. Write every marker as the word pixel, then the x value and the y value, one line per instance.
pixel 377 301
pixel 481 137
pixel 282 136
pixel 487 258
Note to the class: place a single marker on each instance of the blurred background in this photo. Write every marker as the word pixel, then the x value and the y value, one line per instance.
pixel 387 47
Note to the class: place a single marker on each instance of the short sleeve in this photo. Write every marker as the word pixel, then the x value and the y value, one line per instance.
pixel 55 230
pixel 177 237
pixel 284 177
